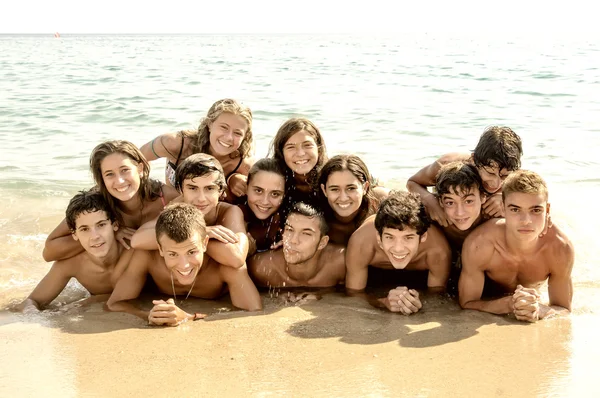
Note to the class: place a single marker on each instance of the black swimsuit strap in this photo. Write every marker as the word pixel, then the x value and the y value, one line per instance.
pixel 236 168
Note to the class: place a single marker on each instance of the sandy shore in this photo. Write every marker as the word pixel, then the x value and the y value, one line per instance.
pixel 337 346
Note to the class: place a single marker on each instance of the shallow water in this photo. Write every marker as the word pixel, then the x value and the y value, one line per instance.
pixel 399 102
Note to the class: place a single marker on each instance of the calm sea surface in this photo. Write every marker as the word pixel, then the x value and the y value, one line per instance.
pixel 399 102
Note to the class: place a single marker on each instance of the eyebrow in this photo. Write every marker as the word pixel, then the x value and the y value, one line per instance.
pixel 85 225
pixel 531 207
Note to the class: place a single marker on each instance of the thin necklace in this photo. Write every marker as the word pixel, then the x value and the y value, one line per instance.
pixel 188 294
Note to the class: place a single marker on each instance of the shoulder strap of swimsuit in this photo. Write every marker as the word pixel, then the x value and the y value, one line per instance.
pixel 162 197
pixel 236 168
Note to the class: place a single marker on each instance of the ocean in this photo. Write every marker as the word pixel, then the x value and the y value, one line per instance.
pixel 399 102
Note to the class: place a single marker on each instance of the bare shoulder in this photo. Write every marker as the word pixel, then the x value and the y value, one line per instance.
pixel 169 193
pixel 453 157
pixel 365 231
pixel 73 265
pixel 247 163
pixel 479 246
pixel 263 267
pixel 335 253
pixel 229 212
pixel 380 193
pixel 436 241
pixel 561 247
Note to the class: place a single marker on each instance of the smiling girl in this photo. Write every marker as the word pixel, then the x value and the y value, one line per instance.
pixel 225 133
pixel 266 189
pixel 300 149
pixel 348 195
pixel 121 174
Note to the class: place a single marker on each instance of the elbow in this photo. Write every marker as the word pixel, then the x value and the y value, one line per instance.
pixel 46 255
pixel 112 305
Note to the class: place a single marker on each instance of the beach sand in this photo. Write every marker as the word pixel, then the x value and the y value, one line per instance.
pixel 337 346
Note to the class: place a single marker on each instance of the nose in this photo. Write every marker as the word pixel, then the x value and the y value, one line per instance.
pixel 343 194
pixel 94 233
pixel 183 263
pixel 525 218
pixel 460 209
pixel 264 199
pixel 300 151
pixel 494 183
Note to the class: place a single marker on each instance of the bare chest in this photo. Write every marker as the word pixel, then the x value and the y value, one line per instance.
pixel 208 283
pixel 510 271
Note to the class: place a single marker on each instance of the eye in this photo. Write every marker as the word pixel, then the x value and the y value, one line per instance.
pixel 108 174
pixel 333 189
pixel 239 134
pixel 289 147
pixel 287 228
pixel 211 188
pixel 223 127
pixel 308 145
pixel 276 194
pixel 469 201
pixel 514 210
pixel 306 233
pixel 258 190
pixel 352 189
pixel 410 237
pixel 102 224
pixel 125 170
pixel 84 229
pixel 193 252
pixel 388 237
pixel 537 211
pixel 448 203
pixel 172 255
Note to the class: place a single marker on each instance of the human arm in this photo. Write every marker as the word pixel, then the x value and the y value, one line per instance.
pixel 238 181
pixel 232 254
pixel 560 284
pixel 476 254
pixel 242 290
pixel 493 206
pixel 145 237
pixel 261 268
pixel 162 146
pixel 50 286
pixel 60 244
pixel 359 253
pixel 426 177
pixel 130 285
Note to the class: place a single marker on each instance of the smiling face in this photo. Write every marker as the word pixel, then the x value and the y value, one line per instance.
pixel 95 232
pixel 301 153
pixel 227 133
pixel 301 238
pixel 265 193
pixel 400 246
pixel 121 176
pixel 525 214
pixel 344 193
pixel 492 177
pixel 184 259
pixel 462 208
pixel 202 192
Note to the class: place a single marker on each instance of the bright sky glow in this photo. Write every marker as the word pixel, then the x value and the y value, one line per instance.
pixel 300 16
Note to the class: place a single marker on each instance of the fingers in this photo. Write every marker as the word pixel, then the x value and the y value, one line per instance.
pixel 222 234
pixel 277 245
pixel 125 245
pixel 404 300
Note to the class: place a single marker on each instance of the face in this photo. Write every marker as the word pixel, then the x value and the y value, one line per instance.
pixel 525 214
pixel 344 193
pixel 301 238
pixel 202 192
pixel 301 153
pixel 184 259
pixel 462 209
pixel 95 232
pixel 227 133
pixel 121 175
pixel 400 246
pixel 492 177
pixel 265 193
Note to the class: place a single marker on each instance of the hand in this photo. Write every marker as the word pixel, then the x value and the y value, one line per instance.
pixel 547 225
pixel 238 184
pixel 167 313
pixel 300 298
pixel 251 244
pixel 435 211
pixel 277 245
pixel 28 306
pixel 221 234
pixel 525 304
pixel 125 233
pixel 403 300
pixel 493 206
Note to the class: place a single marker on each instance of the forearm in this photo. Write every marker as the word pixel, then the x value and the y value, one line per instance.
pixel 414 187
pixel 28 303
pixel 127 307
pixel 229 254
pixel 499 306
pixel 144 239
pixel 61 248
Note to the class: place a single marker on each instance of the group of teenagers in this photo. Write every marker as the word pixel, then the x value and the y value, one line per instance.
pixel 223 223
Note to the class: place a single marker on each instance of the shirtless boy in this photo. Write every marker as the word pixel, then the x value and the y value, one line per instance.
pixel 399 236
pixel 201 181
pixel 460 193
pixel 307 259
pixel 101 263
pixel 180 268
pixel 497 154
pixel 511 253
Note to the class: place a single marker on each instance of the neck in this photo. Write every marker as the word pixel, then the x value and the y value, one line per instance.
pixel 221 158
pixel 211 217
pixel 517 246
pixel 303 272
pixel 110 260
pixel 347 219
pixel 132 206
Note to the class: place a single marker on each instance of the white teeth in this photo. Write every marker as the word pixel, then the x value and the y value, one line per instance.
pixel 344 206
pixel 185 273
pixel 122 189
pixel 399 257
pixel 97 245
pixel 263 209
pixel 224 144
pixel 301 162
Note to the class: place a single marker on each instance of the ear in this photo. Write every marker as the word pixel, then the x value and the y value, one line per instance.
pixel 160 251
pixel 366 186
pixel 115 226
pixel 75 238
pixel 205 243
pixel 423 237
pixel 547 208
pixel 378 239
pixel 323 242
pixel 323 189
pixel 140 168
pixel 483 197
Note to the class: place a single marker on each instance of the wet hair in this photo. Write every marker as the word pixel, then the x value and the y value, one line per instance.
pixel 201 137
pixel 199 165
pixel 179 221
pixel 149 190
pixel 457 178
pixel 265 164
pixel 359 169
pixel 285 132
pixel 311 211
pixel 402 210
pixel 501 145
pixel 89 201
pixel 524 181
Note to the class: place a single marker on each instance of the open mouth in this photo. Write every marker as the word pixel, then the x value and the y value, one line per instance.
pixel 123 189
pixel 224 144
pixel 263 209
pixel 301 162
pixel 97 245
pixel 344 206
pixel 185 273
pixel 398 257
pixel 461 220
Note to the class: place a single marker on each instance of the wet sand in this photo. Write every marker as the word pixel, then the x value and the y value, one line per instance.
pixel 337 346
